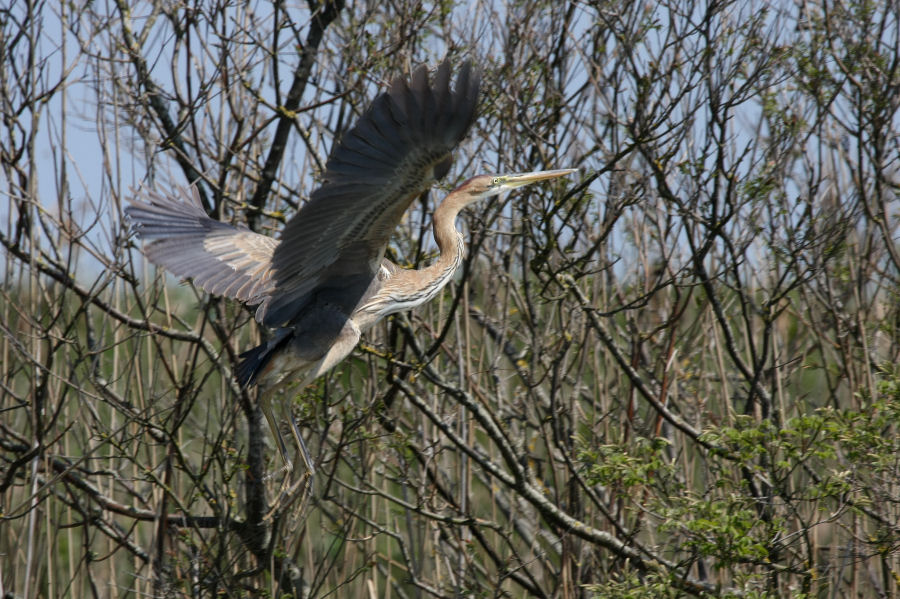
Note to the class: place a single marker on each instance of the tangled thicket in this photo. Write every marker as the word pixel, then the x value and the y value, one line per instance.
pixel 676 375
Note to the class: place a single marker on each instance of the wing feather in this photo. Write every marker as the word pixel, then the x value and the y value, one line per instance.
pixel 332 249
pixel 395 152
pixel 220 258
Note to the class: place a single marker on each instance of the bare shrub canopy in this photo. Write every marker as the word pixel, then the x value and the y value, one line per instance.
pixel 675 374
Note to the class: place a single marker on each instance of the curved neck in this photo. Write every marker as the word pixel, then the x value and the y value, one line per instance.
pixel 406 289
pixel 448 239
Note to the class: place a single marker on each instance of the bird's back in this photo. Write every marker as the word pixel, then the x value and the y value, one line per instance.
pixel 397 149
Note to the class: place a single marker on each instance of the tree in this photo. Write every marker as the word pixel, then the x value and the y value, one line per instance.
pixel 675 376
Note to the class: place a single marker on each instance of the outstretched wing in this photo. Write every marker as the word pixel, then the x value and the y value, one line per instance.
pixel 221 258
pixel 333 247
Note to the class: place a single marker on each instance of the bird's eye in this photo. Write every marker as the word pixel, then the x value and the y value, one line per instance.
pixel 495 181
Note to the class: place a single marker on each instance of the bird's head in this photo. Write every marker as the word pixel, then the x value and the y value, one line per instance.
pixel 486 186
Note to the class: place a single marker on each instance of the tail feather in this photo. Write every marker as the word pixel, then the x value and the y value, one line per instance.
pixel 254 361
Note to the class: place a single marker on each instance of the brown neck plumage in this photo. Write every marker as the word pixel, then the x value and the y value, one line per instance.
pixel 448 239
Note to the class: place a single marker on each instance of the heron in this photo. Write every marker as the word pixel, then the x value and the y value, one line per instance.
pixel 327 281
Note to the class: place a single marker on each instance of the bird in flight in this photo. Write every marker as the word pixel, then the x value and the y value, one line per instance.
pixel 326 281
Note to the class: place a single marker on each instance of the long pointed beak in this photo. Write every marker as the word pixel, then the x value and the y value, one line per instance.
pixel 519 179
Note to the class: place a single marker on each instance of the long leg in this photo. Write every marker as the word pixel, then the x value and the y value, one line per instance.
pixel 304 453
pixel 290 485
pixel 266 406
pixel 340 344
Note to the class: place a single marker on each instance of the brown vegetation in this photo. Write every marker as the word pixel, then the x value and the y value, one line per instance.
pixel 674 376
